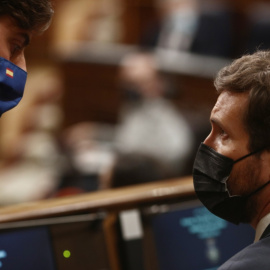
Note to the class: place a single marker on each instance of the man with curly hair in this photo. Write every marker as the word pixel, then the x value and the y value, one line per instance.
pixel 19 21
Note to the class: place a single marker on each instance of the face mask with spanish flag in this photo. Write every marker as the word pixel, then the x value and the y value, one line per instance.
pixel 12 83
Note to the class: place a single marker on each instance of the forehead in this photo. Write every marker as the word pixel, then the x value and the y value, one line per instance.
pixel 8 21
pixel 231 105
pixel 9 27
pixel 228 114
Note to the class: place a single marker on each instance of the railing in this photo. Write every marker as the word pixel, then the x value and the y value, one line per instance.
pixel 121 198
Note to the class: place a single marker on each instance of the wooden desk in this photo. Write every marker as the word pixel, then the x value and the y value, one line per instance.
pixel 107 200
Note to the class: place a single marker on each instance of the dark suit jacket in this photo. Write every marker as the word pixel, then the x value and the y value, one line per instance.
pixel 214 36
pixel 256 256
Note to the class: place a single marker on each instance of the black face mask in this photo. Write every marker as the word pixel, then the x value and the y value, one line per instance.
pixel 211 171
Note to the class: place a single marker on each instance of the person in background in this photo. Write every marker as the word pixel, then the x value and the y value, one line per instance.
pixel 232 167
pixel 31 151
pixel 149 123
pixel 83 21
pixel 180 23
pixel 151 141
pixel 258 26
pixel 89 155
pixel 200 27
pixel 134 169
pixel 19 21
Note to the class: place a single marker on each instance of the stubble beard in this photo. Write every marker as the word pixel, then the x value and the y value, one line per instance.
pixel 244 181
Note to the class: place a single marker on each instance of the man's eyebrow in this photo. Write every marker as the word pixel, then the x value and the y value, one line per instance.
pixel 219 124
pixel 216 122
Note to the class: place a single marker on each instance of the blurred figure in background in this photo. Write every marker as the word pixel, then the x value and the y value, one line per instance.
pixel 180 23
pixel 196 26
pixel 89 154
pixel 87 20
pixel 32 162
pixel 133 169
pixel 151 141
pixel 215 32
pixel 149 123
pixel 258 17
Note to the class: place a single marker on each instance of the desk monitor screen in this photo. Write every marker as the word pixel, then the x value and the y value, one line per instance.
pixel 26 249
pixel 189 237
pixel 57 244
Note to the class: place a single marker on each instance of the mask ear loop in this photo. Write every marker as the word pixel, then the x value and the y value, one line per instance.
pixel 258 189
pixel 250 154
pixel 264 185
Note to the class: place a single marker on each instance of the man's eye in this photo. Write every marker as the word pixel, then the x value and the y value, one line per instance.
pixel 223 133
pixel 15 49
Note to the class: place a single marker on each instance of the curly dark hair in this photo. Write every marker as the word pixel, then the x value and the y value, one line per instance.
pixel 33 15
pixel 251 73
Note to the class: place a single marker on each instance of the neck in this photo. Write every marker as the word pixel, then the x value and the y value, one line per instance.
pixel 265 209
pixel 261 199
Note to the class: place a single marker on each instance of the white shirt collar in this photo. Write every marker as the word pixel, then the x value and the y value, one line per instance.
pixel 263 223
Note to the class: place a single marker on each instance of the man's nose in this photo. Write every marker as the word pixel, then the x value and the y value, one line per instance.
pixel 209 140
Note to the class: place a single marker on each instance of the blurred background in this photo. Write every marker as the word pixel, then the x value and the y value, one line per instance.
pixel 119 92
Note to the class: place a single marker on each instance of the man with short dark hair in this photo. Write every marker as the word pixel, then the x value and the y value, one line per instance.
pixel 232 167
pixel 19 21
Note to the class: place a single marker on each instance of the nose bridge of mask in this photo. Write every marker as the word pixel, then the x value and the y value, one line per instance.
pixel 12 83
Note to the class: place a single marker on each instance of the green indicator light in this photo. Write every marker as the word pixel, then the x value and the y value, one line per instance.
pixel 66 254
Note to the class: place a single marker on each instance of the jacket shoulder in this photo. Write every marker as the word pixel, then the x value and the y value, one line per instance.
pixel 255 256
